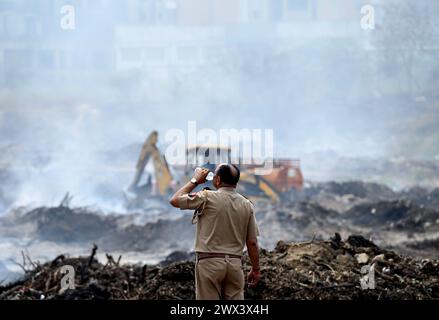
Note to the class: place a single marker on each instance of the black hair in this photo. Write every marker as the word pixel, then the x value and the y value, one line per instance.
pixel 227 175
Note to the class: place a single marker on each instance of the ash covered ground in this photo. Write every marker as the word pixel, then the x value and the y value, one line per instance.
pixel 402 225
pixel 309 270
pixel 153 245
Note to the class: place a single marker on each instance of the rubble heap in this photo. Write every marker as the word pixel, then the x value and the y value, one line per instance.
pixel 402 215
pixel 333 270
pixel 309 270
pixel 110 232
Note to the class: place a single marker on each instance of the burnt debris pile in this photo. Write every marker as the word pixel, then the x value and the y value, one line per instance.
pixel 405 221
pixel 351 269
pixel 111 232
pixel 101 281
pixel 333 269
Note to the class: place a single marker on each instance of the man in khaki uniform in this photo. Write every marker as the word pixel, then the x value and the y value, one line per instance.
pixel 225 224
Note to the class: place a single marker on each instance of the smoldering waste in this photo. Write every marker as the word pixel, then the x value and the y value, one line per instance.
pixel 330 269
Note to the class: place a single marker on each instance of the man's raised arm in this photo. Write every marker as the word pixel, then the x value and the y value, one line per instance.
pixel 199 178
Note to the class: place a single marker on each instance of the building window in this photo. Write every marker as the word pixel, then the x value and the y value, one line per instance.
pixel 188 53
pixel 7 5
pixel 171 5
pixel 101 60
pixel 276 9
pixel 297 5
pixel 2 24
pixel 168 12
pixel 15 25
pixel 154 54
pixel 131 55
pixel 213 52
pixel 31 26
pixel 17 59
pixel 256 8
pixel 46 59
pixel 62 59
pixel 79 60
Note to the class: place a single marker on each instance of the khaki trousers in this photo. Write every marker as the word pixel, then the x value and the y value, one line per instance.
pixel 219 278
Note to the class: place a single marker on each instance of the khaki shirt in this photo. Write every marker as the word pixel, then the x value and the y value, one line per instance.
pixel 225 220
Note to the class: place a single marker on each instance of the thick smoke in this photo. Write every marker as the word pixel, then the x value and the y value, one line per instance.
pixel 320 85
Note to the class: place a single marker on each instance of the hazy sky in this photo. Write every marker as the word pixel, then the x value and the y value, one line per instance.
pixel 68 95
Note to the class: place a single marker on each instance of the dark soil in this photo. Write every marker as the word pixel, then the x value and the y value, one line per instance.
pixel 309 270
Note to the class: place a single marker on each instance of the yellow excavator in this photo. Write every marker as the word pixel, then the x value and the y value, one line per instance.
pixel 285 176
pixel 161 185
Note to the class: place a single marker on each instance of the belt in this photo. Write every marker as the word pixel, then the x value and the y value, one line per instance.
pixel 208 255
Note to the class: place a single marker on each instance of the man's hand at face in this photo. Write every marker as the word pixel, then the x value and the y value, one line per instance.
pixel 253 278
pixel 200 175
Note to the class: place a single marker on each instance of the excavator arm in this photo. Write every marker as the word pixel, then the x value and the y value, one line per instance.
pixel 162 173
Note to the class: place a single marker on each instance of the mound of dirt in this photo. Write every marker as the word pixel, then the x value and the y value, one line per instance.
pixel 402 215
pixel 178 256
pixel 332 270
pixel 427 244
pixel 63 224
pixel 341 196
pixel 359 189
pixel 295 221
pixel 111 232
pixel 310 270
pixel 422 196
pixel 434 198
pixel 8 182
pixel 166 234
